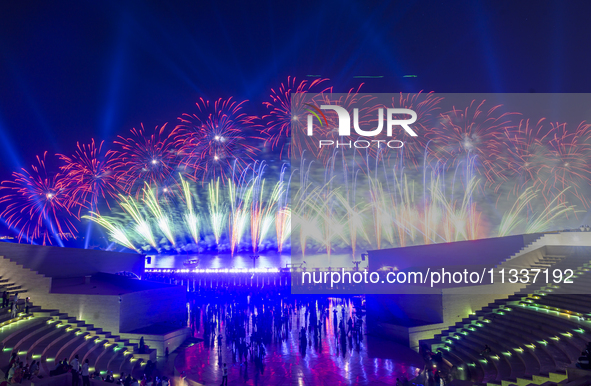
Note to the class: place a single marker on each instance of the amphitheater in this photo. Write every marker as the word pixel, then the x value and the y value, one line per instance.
pixel 535 334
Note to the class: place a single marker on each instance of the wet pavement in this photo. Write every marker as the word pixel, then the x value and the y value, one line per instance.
pixel 326 360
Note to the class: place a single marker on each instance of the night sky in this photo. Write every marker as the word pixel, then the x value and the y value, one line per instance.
pixel 72 71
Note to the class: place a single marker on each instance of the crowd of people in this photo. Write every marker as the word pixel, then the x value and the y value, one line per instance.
pixel 246 322
pixel 17 371
pixel 150 376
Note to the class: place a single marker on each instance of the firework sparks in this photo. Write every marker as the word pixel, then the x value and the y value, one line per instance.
pixel 261 212
pixel 519 165
pixel 213 142
pixel 217 210
pixel 426 106
pixel 143 158
pixel 471 136
pixel 114 230
pixel 191 218
pixel 239 197
pixel 142 226
pixel 88 175
pixel 567 165
pixel 36 204
pixel 287 112
pixel 151 200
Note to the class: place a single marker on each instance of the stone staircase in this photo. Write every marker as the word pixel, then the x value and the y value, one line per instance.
pixel 49 336
pixel 535 335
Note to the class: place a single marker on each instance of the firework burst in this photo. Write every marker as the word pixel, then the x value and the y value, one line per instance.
pixel 471 138
pixel 426 106
pixel 213 141
pixel 88 175
pixel 567 164
pixel 36 204
pixel 144 158
pixel 287 112
pixel 519 164
pixel 367 116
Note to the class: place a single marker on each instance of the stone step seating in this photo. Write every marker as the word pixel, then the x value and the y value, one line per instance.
pixel 524 342
pixel 523 334
pixel 552 378
pixel 10 287
pixel 568 298
pixel 533 335
pixel 542 264
pixel 49 336
pixel 64 337
pixel 549 332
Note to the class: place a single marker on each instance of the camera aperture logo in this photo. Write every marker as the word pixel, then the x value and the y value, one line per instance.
pixel 344 127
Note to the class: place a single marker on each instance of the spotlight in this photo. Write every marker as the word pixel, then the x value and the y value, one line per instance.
pixel 154 162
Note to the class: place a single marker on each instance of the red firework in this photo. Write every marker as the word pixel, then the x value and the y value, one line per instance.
pixel 367 117
pixel 215 141
pixel 88 175
pixel 426 106
pixel 144 158
pixel 523 154
pixel 287 114
pixel 567 165
pixel 36 204
pixel 472 137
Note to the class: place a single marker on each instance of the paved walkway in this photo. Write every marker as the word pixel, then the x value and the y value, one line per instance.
pixel 325 361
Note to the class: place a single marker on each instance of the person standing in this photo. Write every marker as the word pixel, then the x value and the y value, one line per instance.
pixel 334 320
pixel 224 375
pixel 75 369
pixel 85 374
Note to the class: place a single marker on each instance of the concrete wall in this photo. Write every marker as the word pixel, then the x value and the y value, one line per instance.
pixel 474 252
pixel 171 340
pixel 69 262
pixel 137 309
pixel 405 309
pixel 145 308
pixel 102 311
pixel 29 280
pixel 455 308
